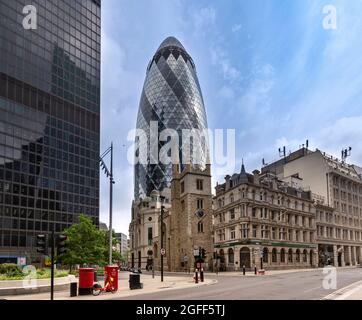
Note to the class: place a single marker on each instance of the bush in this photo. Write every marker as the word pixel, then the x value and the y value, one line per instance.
pixel 10 270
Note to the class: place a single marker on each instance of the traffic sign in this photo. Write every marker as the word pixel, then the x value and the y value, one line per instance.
pixel 163 251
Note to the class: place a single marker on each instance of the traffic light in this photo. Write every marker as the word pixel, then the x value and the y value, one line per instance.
pixel 61 244
pixel 41 244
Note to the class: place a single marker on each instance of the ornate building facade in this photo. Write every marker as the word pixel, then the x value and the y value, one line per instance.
pixel 261 221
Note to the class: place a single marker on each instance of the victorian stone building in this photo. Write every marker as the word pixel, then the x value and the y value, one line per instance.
pixel 337 190
pixel 262 221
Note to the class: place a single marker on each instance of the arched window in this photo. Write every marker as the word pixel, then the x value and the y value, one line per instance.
pixel 274 255
pixel 305 255
pixel 231 198
pixel 282 255
pixel 265 255
pixel 290 255
pixel 297 255
pixel 231 255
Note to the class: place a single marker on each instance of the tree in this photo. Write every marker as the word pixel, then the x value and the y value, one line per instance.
pixel 116 256
pixel 85 244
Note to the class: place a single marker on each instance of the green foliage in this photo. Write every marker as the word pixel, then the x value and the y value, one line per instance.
pixel 10 270
pixel 85 244
pixel 15 273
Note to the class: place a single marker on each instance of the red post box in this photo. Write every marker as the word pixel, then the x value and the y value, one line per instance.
pixel 86 277
pixel 111 278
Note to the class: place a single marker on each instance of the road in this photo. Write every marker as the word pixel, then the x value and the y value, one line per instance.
pixel 289 286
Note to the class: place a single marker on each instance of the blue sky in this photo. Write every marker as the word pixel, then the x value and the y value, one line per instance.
pixel 267 68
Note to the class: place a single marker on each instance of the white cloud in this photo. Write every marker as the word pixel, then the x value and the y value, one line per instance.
pixel 220 59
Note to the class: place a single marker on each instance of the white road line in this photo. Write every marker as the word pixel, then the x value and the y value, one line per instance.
pixel 338 293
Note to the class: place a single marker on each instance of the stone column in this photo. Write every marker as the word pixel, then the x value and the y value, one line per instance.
pixel 342 257
pixel 354 252
pixel 335 256
pixel 237 259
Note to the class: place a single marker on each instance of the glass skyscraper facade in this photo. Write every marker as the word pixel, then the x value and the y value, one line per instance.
pixel 49 120
pixel 171 96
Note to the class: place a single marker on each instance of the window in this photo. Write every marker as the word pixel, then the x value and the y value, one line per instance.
pixel 254 231
pixel 200 227
pixel 297 256
pixel 232 214
pixel 290 255
pixel 282 255
pixel 232 233
pixel 231 198
pixel 274 255
pixel 199 184
pixel 182 186
pixel 200 203
pixel 264 213
pixel 150 236
pixel 253 212
pixel 264 232
pixel 273 235
pixel 244 231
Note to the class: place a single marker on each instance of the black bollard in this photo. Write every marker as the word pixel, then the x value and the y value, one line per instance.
pixel 244 270
pixel 255 272
pixel 202 275
pixel 196 276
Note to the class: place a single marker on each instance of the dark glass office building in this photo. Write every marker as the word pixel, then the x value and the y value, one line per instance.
pixel 49 120
pixel 172 97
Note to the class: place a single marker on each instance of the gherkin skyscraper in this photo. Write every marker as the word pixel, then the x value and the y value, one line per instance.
pixel 172 97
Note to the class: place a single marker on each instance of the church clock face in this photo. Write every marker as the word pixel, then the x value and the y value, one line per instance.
pixel 200 213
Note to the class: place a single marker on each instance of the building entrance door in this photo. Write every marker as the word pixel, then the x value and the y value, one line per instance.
pixel 245 257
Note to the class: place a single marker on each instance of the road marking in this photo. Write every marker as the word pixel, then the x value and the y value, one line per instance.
pixel 344 292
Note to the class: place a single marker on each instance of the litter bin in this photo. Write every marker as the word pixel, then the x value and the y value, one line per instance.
pixel 111 277
pixel 134 281
pixel 86 277
pixel 73 289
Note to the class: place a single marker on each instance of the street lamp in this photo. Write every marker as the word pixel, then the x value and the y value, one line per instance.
pixel 109 174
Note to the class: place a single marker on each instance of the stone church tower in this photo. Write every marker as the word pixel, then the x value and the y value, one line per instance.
pixel 191 216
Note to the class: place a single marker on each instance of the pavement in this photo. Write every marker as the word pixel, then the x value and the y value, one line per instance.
pixel 150 286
